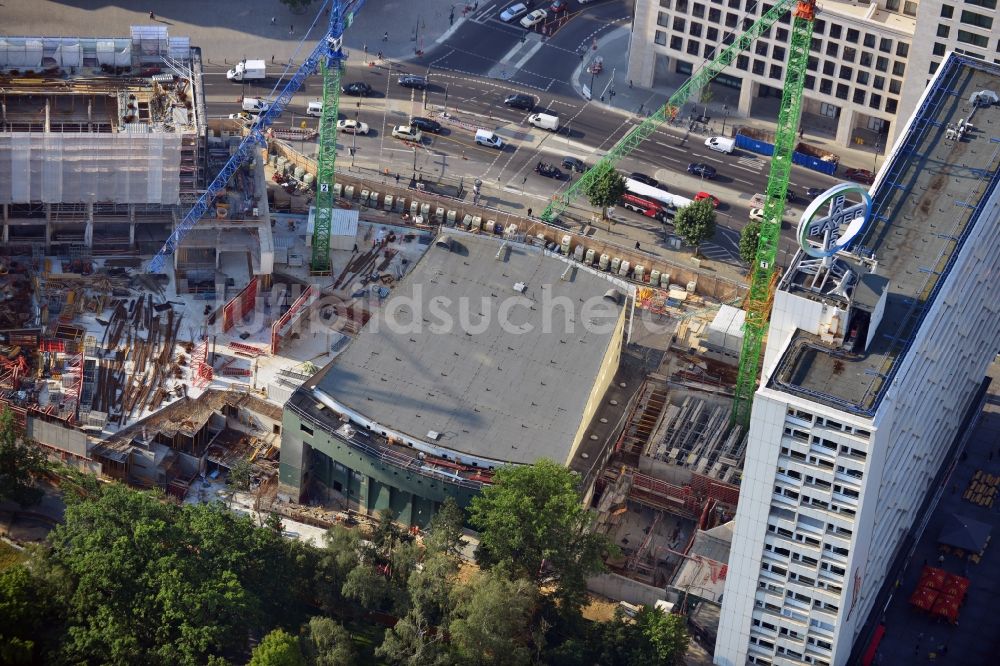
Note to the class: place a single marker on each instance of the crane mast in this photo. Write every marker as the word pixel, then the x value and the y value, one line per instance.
pixel 328 56
pixel 759 301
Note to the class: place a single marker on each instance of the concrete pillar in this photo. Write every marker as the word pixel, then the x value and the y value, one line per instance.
pixel 88 233
pixel 746 96
pixel 6 234
pixel 844 124
pixel 131 235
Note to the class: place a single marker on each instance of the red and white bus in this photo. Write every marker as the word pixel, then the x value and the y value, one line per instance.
pixel 648 207
pixel 638 189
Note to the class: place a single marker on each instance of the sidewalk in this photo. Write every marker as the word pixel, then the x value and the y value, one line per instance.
pixel 232 30
pixel 611 89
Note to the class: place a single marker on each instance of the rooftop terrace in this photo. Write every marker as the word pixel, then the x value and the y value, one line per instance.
pixel 930 194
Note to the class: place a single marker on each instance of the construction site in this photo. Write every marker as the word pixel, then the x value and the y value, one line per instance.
pixel 164 379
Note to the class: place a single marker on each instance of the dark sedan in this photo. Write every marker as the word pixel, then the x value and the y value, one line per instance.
pixel 409 81
pixel 863 176
pixel 519 101
pixel 357 88
pixel 701 169
pixel 643 178
pixel 426 125
pixel 814 192
pixel 548 170
pixel 574 164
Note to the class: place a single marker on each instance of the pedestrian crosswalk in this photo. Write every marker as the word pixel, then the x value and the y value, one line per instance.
pixel 749 162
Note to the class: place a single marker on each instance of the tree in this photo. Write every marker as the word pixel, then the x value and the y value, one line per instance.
pixel 327 643
pixel 20 462
pixel 279 648
pixel 431 585
pixel 695 223
pixel 492 616
pixel 240 475
pixel 652 637
pixel 445 529
pixel 341 554
pixel 665 633
pixel 749 237
pixel 207 575
pixel 414 642
pixel 606 190
pixel 30 621
pixel 367 586
pixel 533 523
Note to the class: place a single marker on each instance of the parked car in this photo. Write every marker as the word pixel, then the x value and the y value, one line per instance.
pixel 863 176
pixel 351 126
pixel 558 6
pixel 702 169
pixel 813 192
pixel 426 125
pixel 548 170
pixel 701 196
pixel 574 164
pixel 513 12
pixel 534 18
pixel 643 178
pixel 407 133
pixel 520 101
pixel 756 213
pixel 411 81
pixel 242 116
pixel 357 88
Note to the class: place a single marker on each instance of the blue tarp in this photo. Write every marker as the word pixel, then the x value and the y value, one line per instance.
pixel 765 148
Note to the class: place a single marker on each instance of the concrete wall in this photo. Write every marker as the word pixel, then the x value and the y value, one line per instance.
pixel 606 375
pixel 58 436
pixel 619 588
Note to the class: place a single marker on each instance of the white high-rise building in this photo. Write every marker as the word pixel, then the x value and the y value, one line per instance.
pixel 872 362
pixel 865 76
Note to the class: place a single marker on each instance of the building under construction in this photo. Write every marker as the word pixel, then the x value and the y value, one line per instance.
pixel 101 139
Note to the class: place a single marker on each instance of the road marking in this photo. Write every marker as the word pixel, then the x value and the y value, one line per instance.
pixel 531 52
pixel 740 180
pixel 746 169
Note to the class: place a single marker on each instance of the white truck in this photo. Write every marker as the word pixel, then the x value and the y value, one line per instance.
pixel 247 70
pixel 721 144
pixel 254 105
pixel 545 121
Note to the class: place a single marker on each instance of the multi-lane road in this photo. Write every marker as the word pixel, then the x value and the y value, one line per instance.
pixel 470 90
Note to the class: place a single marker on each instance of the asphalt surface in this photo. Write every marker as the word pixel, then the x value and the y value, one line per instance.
pixel 469 90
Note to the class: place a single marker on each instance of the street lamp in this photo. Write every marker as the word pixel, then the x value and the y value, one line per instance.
pixel 725 111
pixel 878 145
pixel 446 99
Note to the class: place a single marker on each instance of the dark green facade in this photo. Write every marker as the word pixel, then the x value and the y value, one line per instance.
pixel 313 457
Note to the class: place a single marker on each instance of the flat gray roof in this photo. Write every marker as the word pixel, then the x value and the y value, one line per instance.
pixel 929 196
pixel 489 392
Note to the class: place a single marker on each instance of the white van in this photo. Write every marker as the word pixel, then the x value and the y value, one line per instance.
pixel 544 121
pixel 254 105
pixel 487 138
pixel 721 144
pixel 315 108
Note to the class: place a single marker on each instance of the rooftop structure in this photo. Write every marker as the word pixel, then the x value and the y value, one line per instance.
pixel 874 363
pixel 489 352
pixel 927 201
pixel 488 390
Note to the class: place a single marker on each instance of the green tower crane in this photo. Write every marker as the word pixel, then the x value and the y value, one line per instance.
pixel 758 308
pixel 758 304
